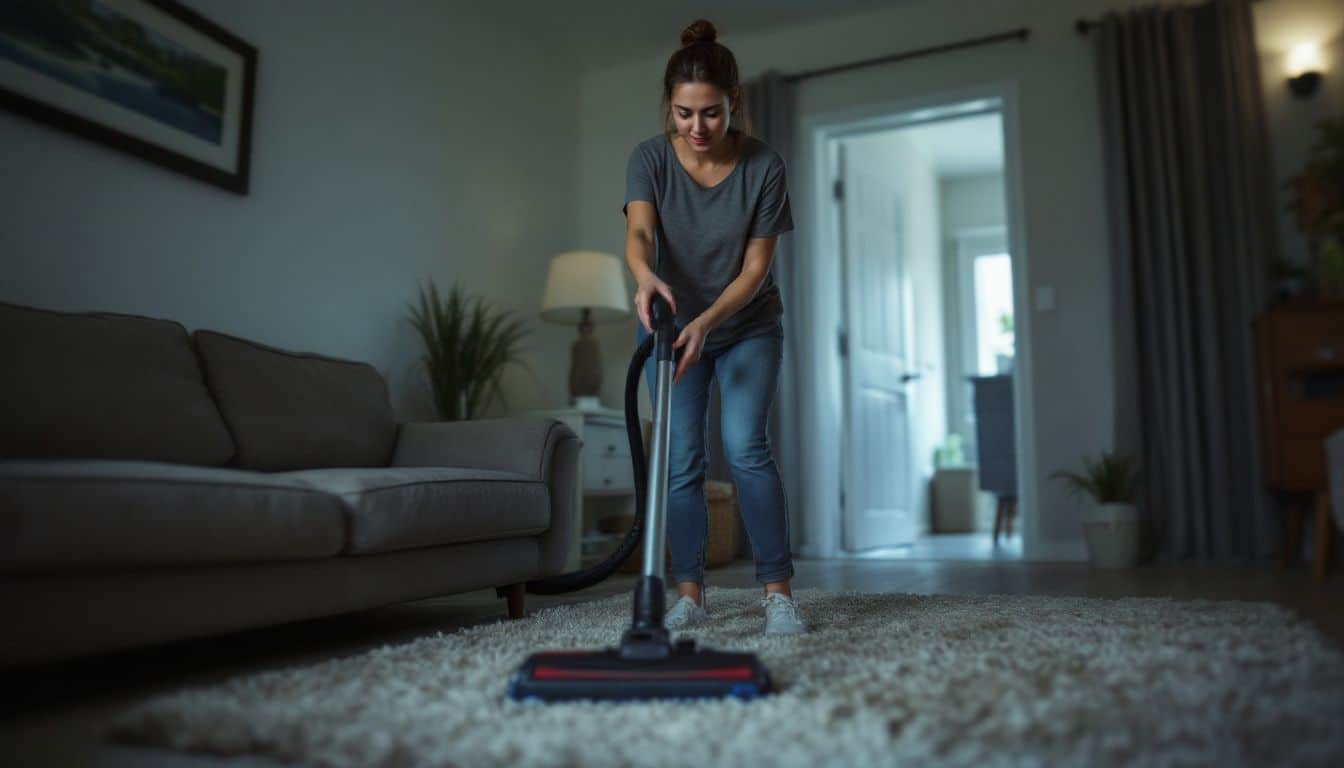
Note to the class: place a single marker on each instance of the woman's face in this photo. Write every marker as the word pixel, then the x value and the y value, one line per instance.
pixel 700 112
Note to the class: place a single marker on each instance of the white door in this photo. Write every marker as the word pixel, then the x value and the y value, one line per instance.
pixel 877 470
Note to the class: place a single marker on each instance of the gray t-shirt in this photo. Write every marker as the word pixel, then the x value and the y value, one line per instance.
pixel 702 232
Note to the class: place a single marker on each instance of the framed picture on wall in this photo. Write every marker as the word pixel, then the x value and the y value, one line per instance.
pixel 148 77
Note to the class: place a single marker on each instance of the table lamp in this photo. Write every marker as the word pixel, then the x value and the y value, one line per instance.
pixel 585 287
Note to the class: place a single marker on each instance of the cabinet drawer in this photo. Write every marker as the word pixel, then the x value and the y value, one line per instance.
pixel 1301 464
pixel 606 458
pixel 605 440
pixel 1315 419
pixel 607 473
pixel 1307 340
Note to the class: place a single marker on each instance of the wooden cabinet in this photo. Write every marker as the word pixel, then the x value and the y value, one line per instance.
pixel 1300 351
pixel 1300 357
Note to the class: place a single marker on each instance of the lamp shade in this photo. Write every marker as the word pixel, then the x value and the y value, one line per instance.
pixel 579 280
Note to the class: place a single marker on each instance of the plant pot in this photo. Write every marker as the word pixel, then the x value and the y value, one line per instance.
pixel 721 537
pixel 1112 535
pixel 955 496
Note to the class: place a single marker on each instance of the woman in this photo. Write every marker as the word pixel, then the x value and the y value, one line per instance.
pixel 704 204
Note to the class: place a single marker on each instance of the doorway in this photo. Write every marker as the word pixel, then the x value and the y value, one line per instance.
pixel 919 210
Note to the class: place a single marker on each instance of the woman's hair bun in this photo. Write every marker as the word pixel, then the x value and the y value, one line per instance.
pixel 698 31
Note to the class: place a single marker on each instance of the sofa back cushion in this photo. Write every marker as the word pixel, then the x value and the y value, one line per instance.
pixel 104 386
pixel 290 410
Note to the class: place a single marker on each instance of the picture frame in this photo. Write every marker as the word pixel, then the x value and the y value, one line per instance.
pixel 151 78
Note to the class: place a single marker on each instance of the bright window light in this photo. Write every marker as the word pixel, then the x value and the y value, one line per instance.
pixel 993 311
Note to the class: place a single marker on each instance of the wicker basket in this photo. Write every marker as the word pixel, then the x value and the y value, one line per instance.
pixel 721 504
pixel 720 549
pixel 721 500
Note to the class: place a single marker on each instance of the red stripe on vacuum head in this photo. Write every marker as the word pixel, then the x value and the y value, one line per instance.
pixel 724 673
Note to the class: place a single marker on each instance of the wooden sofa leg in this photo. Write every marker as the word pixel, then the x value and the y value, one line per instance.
pixel 515 595
pixel 1325 535
pixel 1292 532
pixel 998 520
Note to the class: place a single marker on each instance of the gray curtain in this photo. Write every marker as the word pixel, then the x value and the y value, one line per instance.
pixel 1192 236
pixel 770 105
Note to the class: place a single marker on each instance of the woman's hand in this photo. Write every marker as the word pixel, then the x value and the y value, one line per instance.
pixel 644 300
pixel 691 342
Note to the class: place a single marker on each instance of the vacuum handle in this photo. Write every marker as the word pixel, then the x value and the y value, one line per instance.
pixel 664 327
pixel 659 311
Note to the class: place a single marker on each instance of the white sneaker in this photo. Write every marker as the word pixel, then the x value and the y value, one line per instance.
pixel 685 613
pixel 782 616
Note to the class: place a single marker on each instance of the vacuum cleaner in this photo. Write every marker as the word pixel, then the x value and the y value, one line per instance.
pixel 647 664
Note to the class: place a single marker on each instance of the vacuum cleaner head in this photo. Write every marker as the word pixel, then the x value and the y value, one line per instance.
pixel 686 672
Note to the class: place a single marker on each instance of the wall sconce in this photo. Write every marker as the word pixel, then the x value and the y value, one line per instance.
pixel 1304 69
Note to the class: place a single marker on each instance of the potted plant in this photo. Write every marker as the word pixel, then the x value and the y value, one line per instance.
pixel 1111 524
pixel 467 346
pixel 1003 357
pixel 1318 202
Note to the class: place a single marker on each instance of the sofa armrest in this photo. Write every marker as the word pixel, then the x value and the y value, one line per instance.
pixel 537 447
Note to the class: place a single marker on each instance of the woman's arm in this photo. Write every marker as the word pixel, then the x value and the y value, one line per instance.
pixel 759 254
pixel 640 223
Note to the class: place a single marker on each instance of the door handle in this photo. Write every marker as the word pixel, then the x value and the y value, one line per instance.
pixel 906 378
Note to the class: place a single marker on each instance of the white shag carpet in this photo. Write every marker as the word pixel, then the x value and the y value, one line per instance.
pixel 882 679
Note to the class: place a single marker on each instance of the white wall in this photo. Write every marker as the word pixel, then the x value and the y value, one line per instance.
pixel 391 143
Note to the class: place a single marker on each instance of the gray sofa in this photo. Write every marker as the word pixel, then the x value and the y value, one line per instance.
pixel 157 485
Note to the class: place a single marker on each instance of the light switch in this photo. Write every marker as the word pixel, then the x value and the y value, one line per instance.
pixel 1045 298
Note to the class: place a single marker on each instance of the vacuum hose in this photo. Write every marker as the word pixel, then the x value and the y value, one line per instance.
pixel 572 582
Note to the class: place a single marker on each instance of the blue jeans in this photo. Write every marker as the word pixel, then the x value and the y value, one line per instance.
pixel 748 374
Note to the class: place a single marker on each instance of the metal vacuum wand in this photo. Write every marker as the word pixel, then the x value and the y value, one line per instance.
pixel 647 637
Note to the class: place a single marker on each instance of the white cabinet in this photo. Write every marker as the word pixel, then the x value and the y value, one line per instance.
pixel 606 483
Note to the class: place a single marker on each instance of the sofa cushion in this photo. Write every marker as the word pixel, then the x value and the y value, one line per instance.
pixel 104 386
pixel 289 410
pixel 410 507
pixel 130 514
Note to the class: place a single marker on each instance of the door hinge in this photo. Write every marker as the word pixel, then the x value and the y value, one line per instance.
pixel 839 189
pixel 842 499
pixel 843 341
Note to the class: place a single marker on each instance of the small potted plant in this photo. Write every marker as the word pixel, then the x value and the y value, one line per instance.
pixel 1318 202
pixel 1111 523
pixel 466 349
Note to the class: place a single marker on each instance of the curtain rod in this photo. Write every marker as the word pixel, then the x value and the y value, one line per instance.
pixel 1017 34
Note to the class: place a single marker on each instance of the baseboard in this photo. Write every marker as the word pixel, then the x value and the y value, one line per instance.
pixel 1058 550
